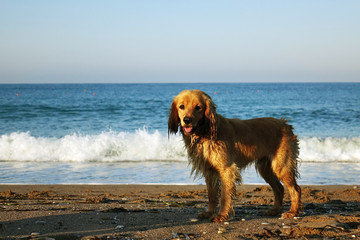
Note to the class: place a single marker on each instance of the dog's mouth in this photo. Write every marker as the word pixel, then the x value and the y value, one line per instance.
pixel 188 129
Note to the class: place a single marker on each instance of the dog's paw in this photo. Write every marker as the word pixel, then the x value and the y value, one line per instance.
pixel 272 212
pixel 219 219
pixel 289 214
pixel 206 215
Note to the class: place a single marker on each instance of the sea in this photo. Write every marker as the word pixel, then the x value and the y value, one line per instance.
pixel 117 133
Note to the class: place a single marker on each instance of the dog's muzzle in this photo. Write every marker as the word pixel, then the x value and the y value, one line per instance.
pixel 187 128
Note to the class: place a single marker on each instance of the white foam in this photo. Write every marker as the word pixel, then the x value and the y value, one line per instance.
pixel 143 145
pixel 105 147
pixel 330 149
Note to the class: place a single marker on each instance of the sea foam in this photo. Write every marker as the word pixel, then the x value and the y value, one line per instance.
pixel 330 149
pixel 143 145
pixel 106 147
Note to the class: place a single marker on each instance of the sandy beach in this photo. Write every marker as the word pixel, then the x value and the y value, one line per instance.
pixel 169 212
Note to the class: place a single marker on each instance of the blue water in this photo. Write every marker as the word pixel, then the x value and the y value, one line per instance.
pixel 117 133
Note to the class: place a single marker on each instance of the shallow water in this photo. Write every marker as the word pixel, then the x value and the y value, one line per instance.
pixel 340 173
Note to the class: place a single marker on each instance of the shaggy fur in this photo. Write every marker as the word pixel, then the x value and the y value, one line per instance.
pixel 218 148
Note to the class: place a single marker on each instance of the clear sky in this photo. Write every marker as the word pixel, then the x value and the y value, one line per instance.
pixel 179 41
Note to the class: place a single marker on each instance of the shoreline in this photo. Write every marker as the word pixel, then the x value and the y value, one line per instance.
pixel 162 211
pixel 162 173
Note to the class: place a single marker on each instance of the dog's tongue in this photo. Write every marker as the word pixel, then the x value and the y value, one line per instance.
pixel 187 129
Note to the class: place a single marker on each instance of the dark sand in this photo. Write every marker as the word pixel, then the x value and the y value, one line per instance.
pixel 169 212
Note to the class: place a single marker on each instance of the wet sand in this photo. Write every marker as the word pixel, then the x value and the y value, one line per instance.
pixel 169 212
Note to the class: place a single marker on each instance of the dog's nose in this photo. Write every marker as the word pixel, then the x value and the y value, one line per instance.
pixel 187 120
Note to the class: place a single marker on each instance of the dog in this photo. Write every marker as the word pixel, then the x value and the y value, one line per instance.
pixel 218 148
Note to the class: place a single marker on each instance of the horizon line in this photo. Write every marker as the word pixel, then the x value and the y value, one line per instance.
pixel 200 82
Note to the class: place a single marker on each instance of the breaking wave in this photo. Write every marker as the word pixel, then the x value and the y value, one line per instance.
pixel 143 145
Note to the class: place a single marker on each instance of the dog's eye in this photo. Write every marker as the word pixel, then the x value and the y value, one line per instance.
pixel 197 108
pixel 182 107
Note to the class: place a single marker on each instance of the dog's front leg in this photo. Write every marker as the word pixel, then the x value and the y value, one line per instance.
pixel 227 177
pixel 213 186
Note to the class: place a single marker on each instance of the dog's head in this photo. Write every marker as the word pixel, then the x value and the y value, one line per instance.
pixel 194 111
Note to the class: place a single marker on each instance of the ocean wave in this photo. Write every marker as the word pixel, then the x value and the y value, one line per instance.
pixel 330 149
pixel 143 145
pixel 105 147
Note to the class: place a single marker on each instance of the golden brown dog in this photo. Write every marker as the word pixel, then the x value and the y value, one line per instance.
pixel 218 148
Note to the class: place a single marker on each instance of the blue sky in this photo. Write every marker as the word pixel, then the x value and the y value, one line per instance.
pixel 179 41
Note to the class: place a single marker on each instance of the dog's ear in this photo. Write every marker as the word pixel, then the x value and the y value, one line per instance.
pixel 210 114
pixel 173 123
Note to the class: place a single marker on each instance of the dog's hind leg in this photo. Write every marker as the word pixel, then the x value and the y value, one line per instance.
pixel 295 194
pixel 263 166
pixel 284 166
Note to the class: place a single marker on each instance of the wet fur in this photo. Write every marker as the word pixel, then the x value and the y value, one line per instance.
pixel 218 148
